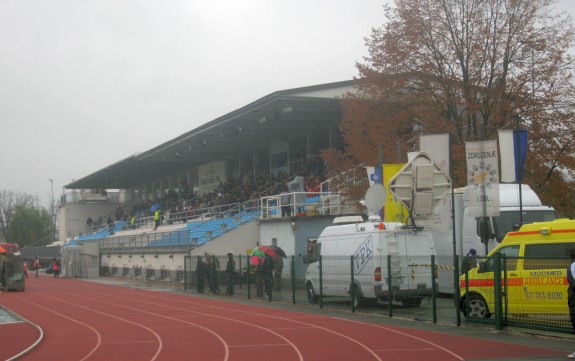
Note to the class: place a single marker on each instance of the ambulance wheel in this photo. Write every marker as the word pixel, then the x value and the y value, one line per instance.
pixel 475 307
pixel 311 296
pixel 412 301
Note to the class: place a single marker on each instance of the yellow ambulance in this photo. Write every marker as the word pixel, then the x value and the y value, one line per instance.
pixel 535 280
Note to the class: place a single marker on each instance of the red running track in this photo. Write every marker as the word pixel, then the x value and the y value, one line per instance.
pixel 83 320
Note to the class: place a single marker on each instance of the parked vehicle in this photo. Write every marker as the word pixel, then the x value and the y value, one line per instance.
pixel 470 230
pixel 537 256
pixel 11 272
pixel 370 243
pixel 11 247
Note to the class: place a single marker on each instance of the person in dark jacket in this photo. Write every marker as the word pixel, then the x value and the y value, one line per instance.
pixel 212 273
pixel 200 274
pixel 230 268
pixel 264 276
pixel 469 261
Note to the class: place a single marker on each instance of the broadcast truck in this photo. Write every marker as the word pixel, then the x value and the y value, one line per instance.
pixel 370 243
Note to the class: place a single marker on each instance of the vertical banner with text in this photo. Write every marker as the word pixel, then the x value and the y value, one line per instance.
pixel 482 193
pixel 437 146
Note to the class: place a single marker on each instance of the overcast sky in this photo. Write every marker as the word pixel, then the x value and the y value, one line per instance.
pixel 86 83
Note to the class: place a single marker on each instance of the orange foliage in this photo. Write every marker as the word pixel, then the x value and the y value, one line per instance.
pixel 468 68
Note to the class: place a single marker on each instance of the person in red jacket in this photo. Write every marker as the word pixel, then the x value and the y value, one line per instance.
pixel 36 266
pixel 56 268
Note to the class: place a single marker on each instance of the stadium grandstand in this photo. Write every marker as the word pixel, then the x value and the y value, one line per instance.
pixel 251 177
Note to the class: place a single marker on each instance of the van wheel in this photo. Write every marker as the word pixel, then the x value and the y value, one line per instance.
pixel 475 307
pixel 311 295
pixel 411 301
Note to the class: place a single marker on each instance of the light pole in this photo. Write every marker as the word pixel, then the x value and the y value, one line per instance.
pixel 52 209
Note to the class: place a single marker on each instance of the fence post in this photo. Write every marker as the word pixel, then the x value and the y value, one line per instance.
pixel 320 281
pixel 240 265
pixel 389 288
pixel 269 279
pixel 433 289
pixel 497 292
pixel 352 284
pixel 293 279
pixel 185 273
pixel 505 290
pixel 248 279
pixel 457 294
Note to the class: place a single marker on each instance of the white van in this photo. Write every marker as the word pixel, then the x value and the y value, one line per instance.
pixel 370 243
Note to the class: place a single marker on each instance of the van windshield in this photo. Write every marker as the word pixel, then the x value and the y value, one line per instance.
pixel 507 221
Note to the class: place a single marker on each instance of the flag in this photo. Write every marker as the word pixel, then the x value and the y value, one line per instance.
pixel 513 149
pixel 374 174
pixel 394 210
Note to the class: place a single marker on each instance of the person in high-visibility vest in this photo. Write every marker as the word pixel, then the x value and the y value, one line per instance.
pixel 156 219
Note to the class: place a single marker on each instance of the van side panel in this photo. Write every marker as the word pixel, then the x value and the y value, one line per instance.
pixel 370 246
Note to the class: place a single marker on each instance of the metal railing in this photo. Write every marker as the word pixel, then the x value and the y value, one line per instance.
pixel 304 204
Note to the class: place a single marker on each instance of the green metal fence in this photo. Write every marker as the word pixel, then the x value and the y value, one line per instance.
pixel 505 291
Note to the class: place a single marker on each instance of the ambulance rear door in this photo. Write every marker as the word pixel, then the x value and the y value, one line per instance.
pixel 544 289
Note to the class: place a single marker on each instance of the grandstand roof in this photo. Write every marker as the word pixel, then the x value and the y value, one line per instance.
pixel 278 116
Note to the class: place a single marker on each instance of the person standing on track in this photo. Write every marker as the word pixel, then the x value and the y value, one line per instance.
pixel 230 268
pixel 36 266
pixel 56 268
pixel 26 269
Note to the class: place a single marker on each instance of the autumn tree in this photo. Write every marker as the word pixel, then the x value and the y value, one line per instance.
pixel 469 68
pixel 30 225
pixel 9 203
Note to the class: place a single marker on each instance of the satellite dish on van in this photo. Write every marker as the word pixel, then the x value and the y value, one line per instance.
pixel 375 198
pixel 420 185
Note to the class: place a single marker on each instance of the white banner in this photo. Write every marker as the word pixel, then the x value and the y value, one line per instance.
pixel 210 175
pixel 437 146
pixel 482 192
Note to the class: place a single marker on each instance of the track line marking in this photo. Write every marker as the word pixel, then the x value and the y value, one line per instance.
pixel 405 349
pixel 294 347
pixel 158 338
pixel 361 345
pixel 261 345
pixel 98 336
pixel 407 335
pixel 125 342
